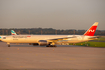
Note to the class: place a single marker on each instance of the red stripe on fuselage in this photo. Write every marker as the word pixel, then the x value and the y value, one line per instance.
pixel 28 36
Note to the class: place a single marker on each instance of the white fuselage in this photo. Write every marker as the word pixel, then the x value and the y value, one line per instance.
pixel 36 38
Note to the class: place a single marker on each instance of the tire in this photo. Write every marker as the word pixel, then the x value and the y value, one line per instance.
pixel 55 46
pixel 48 46
pixel 8 45
pixel 51 46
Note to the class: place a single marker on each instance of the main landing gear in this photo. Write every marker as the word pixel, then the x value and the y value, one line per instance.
pixel 51 46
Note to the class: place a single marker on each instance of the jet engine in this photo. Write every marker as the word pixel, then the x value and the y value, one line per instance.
pixel 43 42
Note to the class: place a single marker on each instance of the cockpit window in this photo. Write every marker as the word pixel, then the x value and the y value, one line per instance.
pixel 4 37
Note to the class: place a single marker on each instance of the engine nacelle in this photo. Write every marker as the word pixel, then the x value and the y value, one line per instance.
pixel 43 42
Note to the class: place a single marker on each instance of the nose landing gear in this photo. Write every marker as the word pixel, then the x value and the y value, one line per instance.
pixel 8 44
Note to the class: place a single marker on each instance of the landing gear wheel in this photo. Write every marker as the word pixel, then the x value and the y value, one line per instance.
pixel 55 46
pixel 48 46
pixel 51 46
pixel 8 45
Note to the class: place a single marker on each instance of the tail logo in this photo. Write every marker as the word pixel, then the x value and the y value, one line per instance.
pixel 91 30
pixel 13 32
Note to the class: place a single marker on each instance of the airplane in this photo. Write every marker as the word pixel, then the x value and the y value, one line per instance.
pixel 52 40
pixel 12 33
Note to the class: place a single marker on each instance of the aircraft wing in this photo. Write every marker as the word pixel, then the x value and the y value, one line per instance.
pixel 58 39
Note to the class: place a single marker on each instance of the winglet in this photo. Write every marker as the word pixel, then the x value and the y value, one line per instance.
pixel 13 32
pixel 91 30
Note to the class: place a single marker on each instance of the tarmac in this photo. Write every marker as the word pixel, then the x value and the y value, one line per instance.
pixel 28 57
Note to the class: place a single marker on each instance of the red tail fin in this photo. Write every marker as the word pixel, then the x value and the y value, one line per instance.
pixel 91 30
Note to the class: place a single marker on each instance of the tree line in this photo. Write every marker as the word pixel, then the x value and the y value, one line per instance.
pixel 47 31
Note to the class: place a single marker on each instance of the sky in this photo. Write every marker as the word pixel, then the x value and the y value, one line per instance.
pixel 57 14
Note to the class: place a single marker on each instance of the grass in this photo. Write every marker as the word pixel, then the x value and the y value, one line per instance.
pixel 101 39
pixel 91 44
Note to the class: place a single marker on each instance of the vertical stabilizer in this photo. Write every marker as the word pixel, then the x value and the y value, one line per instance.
pixel 13 32
pixel 91 30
